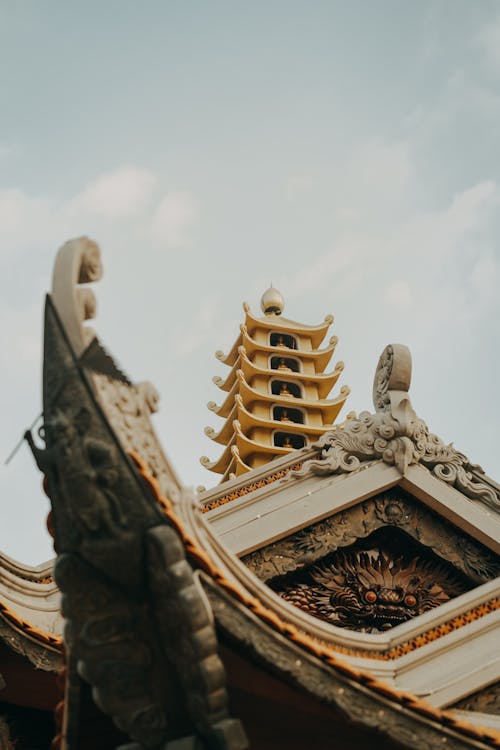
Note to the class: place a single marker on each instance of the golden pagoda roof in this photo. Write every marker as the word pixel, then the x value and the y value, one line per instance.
pixel 243 362
pixel 248 421
pixel 320 356
pixel 247 447
pixel 231 357
pixel 323 381
pixel 220 464
pixel 225 408
pixel 275 322
pixel 226 432
pixel 328 407
pixel 240 466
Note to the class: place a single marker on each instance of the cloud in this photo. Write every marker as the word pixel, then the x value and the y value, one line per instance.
pixel 120 200
pixel 173 220
pixel 399 294
pixel 298 185
pixel 489 41
pixel 376 181
pixel 22 218
pixel 6 151
pixel 189 339
pixel 123 192
pixel 437 262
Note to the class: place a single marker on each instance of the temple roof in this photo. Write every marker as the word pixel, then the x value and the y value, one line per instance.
pixel 278 323
pixel 287 514
pixel 324 381
pixel 330 408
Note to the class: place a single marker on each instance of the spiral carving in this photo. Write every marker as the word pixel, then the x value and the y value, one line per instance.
pixel 393 373
pixel 90 262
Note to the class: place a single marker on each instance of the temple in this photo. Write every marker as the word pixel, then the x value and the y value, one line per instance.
pixel 275 396
pixel 339 593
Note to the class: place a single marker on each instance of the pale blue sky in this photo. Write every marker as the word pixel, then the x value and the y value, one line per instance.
pixel 347 150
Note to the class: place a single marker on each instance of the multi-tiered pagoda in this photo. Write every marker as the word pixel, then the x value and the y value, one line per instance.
pixel 276 391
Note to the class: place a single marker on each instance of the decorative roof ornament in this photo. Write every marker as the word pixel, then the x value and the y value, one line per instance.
pixel 398 436
pixel 127 405
pixel 272 302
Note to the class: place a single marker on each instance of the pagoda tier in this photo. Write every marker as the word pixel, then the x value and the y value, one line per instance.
pixel 276 390
pixel 322 382
pixel 313 361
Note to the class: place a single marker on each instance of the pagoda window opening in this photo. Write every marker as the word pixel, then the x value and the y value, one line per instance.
pixel 287 440
pixel 285 363
pixel 285 388
pixel 283 340
pixel 285 414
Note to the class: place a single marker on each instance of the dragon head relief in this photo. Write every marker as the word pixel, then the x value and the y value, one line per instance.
pixel 372 591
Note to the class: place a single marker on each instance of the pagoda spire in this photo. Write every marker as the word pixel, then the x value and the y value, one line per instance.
pixel 275 395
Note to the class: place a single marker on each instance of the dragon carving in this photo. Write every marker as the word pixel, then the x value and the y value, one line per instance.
pixel 371 591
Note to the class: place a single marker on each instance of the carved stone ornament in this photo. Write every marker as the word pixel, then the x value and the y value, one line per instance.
pixel 394 510
pixel 371 591
pixel 138 625
pixel 397 436
pixel 127 406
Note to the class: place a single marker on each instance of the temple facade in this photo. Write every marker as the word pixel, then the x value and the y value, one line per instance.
pixel 341 593
pixel 275 396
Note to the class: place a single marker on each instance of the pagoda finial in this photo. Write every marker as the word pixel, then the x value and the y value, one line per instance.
pixel 272 302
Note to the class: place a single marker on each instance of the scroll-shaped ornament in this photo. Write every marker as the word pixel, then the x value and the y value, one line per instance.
pixel 397 436
pixel 128 406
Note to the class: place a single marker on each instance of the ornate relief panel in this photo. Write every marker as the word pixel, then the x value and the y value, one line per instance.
pixel 373 585
pixel 375 565
pixel 394 509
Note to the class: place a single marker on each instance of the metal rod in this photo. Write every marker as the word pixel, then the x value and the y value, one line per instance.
pixel 21 441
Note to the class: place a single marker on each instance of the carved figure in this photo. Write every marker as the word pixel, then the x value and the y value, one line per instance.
pixel 373 590
pixel 88 474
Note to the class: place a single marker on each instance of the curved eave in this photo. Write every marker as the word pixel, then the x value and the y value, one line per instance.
pixel 227 384
pixel 226 432
pixel 240 466
pixel 278 323
pixel 321 357
pixel 225 409
pixel 249 421
pixel 330 408
pixel 324 382
pixel 231 357
pixel 247 447
pixel 230 471
pixel 220 465
pixel 231 460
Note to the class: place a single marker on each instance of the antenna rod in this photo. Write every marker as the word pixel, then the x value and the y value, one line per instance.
pixel 21 441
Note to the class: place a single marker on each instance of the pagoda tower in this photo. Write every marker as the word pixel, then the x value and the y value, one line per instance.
pixel 276 392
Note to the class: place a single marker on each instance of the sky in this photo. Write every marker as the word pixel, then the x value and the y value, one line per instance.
pixel 347 151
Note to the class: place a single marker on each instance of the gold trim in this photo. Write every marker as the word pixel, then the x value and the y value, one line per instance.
pixel 247 488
